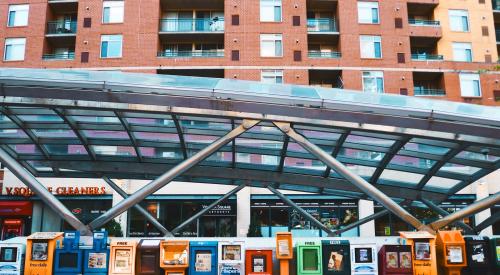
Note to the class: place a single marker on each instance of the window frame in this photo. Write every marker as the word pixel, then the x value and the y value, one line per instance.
pixel 271 74
pixel 455 46
pixel 271 37
pixel 110 4
pixel 15 8
pixel 273 4
pixel 372 42
pixel 101 43
pixel 452 13
pixel 470 77
pixel 376 77
pixel 368 5
pixel 11 44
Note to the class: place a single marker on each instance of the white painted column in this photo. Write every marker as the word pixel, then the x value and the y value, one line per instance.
pixel 481 193
pixel 243 211
pixel 122 218
pixel 366 209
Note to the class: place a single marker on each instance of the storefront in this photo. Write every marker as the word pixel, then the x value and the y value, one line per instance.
pixel 171 211
pixel 270 215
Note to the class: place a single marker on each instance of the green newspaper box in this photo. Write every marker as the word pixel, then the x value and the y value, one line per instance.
pixel 309 258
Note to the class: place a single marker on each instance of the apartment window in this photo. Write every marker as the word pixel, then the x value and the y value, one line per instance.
pixel 18 15
pixel 112 11
pixel 270 10
pixel 14 49
pixel 271 76
pixel 459 20
pixel 470 85
pixel 462 52
pixel 371 46
pixel 368 13
pixel 111 46
pixel 373 82
pixel 271 45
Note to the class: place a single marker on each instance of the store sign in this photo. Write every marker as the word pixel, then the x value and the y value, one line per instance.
pixel 220 210
pixel 62 191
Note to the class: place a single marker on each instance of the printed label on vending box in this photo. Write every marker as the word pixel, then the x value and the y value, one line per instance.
pixel 122 260
pixel 97 260
pixel 203 262
pixel 258 264
pixel 230 269
pixel 422 251
pixel 454 254
pixel 478 253
pixel 391 260
pixel 335 262
pixel 405 259
pixel 283 248
pixel 39 251
pixel 231 252
pixel 498 253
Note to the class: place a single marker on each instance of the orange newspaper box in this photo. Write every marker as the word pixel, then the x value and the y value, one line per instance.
pixel 423 246
pixel 40 249
pixel 451 252
pixel 174 257
pixel 284 251
pixel 122 257
pixel 259 262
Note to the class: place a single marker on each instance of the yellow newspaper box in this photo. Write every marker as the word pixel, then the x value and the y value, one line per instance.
pixel 451 252
pixel 174 257
pixel 122 257
pixel 40 249
pixel 284 251
pixel 423 246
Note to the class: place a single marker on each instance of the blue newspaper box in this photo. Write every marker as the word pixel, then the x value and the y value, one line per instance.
pixel 203 258
pixel 68 258
pixel 96 259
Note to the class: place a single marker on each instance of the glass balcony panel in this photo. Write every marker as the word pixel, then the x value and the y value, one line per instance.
pixel 61 27
pixel 422 22
pixel 189 54
pixel 192 24
pixel 320 54
pixel 59 56
pixel 426 57
pixel 420 91
pixel 322 25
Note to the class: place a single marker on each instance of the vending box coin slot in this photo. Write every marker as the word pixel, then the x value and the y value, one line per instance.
pixel 40 249
pixel 259 262
pixel 477 249
pixel 122 257
pixel 11 258
pixel 336 257
pixel 96 259
pixel 424 251
pixel 309 258
pixel 174 257
pixel 450 248
pixel 364 259
pixel 148 257
pixel 203 258
pixel 231 258
pixel 395 260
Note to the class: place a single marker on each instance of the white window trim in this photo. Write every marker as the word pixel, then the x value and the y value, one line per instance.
pixel 453 44
pixel 18 7
pixel 272 38
pixel 274 4
pixel 113 4
pixel 5 48
pixel 271 73
pixel 466 12
pixel 378 72
pixel 368 3
pixel 470 77
pixel 100 46
pixel 373 40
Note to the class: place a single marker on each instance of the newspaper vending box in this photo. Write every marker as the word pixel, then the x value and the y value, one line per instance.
pixel 450 248
pixel 148 258
pixel 259 262
pixel 174 257
pixel 96 259
pixel 364 259
pixel 68 258
pixel 395 260
pixel 122 257
pixel 40 248
pixel 495 251
pixel 336 257
pixel 11 258
pixel 309 258
pixel 203 258
pixel 477 249
pixel 231 258
pixel 424 251
pixel 284 251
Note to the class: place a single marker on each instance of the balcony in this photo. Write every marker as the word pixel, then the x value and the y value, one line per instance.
pixel 420 91
pixel 192 25
pixel 191 54
pixel 61 28
pixel 421 22
pixel 426 57
pixel 322 25
pixel 496 5
pixel 320 54
pixel 59 56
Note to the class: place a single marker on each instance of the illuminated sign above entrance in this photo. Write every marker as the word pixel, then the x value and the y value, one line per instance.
pixel 62 191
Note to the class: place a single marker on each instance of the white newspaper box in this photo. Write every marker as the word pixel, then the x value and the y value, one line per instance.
pixel 231 258
pixel 12 258
pixel 364 259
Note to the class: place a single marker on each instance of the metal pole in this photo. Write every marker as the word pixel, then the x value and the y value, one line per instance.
pixel 139 208
pixel 47 197
pixel 353 178
pixel 205 210
pixel 362 221
pixel 488 222
pixel 467 211
pixel 170 175
pixel 444 213
pixel 302 212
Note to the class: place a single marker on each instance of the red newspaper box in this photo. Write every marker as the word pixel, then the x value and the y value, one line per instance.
pixel 395 260
pixel 259 262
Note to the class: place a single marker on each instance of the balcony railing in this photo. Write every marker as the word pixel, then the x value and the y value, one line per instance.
pixel 61 27
pixel 419 91
pixel 426 57
pixel 192 25
pixel 322 25
pixel 420 22
pixel 319 54
pixel 59 56
pixel 189 54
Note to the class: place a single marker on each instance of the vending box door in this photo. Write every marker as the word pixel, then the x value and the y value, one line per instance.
pixel 69 257
pixel 364 259
pixel 148 258
pixel 96 260
pixel 284 246
pixel 395 259
pixel 203 258
pixel 122 257
pixel 309 258
pixel 11 258
pixel 478 252
pixel 259 262
pixel 231 258
pixel 336 257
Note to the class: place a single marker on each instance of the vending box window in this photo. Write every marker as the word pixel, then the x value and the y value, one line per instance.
pixel 450 249
pixel 259 262
pixel 203 258
pixel 231 258
pixel 284 251
pixel 336 257
pixel 96 259
pixel 148 257
pixel 174 257
pixel 11 258
pixel 309 258
pixel 395 260
pixel 424 251
pixel 364 259
pixel 40 249
pixel 122 257
pixel 478 255
pixel 69 257
pixel 495 255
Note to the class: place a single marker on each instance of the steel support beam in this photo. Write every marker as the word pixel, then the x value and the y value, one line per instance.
pixel 40 190
pixel 362 221
pixel 139 208
pixel 205 210
pixel 302 212
pixel 467 211
pixel 170 175
pixel 442 212
pixel 488 222
pixel 353 178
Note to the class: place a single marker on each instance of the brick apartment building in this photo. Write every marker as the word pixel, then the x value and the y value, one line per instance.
pixel 441 48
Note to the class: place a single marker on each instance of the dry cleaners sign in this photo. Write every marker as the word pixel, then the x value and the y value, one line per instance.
pixel 61 191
